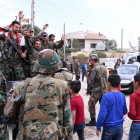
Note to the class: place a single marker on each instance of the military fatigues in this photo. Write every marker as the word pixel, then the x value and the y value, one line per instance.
pixel 69 67
pixel 1 57
pixel 4 135
pixel 95 89
pixel 50 98
pixel 77 71
pixel 51 45
pixel 63 75
pixel 12 62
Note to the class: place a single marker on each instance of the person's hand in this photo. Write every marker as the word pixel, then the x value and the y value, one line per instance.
pixel 98 132
pixel 23 55
pixel 26 32
pixel 63 38
pixel 45 26
pixel 20 15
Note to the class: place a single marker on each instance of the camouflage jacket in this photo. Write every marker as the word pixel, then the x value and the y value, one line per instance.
pixel 15 56
pixel 77 68
pixel 51 45
pixel 47 101
pixel 63 75
pixel 69 67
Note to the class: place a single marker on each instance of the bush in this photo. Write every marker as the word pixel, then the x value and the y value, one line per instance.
pixel 100 54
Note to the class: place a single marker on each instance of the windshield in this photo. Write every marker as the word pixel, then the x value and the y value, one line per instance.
pixel 127 70
pixel 110 64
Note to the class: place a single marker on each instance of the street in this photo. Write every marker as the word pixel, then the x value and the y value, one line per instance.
pixel 90 132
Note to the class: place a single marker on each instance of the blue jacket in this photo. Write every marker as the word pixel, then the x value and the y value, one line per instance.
pixel 113 108
pixel 84 68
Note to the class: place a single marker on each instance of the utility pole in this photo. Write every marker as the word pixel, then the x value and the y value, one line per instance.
pixel 64 43
pixel 139 44
pixel 121 39
pixel 32 22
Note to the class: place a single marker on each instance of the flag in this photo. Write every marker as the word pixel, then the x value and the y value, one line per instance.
pixel 1 31
pixel 33 2
pixel 81 23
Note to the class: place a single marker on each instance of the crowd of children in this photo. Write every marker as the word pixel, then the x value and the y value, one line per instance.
pixel 112 110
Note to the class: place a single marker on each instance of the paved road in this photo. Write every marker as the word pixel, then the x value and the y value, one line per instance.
pixel 90 132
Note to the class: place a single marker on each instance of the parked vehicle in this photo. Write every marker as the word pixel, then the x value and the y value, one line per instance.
pixel 127 73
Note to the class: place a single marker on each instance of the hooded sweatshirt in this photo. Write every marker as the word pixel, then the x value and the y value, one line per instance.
pixel 134 109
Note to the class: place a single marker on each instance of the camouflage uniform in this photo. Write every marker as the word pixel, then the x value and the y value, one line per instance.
pixel 69 67
pixel 51 45
pixel 4 135
pixel 12 62
pixel 63 75
pixel 77 71
pixel 47 113
pixel 1 58
pixel 95 90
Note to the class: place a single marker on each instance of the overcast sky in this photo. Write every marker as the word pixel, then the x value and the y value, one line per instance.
pixel 107 17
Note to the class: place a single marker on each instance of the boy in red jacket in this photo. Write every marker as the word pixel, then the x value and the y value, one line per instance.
pixel 134 111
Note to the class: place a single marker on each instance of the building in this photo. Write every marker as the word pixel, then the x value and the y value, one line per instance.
pixel 90 41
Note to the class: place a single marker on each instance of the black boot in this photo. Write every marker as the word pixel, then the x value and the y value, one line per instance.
pixel 92 122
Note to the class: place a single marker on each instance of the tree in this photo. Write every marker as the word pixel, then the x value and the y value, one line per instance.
pixel 37 29
pixel 81 56
pixel 111 44
pixel 100 54
pixel 76 46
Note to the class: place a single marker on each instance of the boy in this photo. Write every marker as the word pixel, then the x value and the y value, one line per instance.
pixel 77 108
pixel 134 111
pixel 113 107
pixel 115 72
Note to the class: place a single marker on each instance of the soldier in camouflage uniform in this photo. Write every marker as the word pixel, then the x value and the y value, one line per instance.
pixel 3 99
pixel 63 73
pixel 45 113
pixel 12 59
pixel 77 70
pixel 69 65
pixel 96 88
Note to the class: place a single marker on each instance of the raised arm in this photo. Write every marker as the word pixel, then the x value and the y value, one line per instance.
pixel 20 15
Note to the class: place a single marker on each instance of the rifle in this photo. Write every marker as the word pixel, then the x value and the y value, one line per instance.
pixel 17 102
pixel 18 50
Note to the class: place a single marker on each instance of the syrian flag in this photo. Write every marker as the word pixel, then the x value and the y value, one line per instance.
pixel 1 29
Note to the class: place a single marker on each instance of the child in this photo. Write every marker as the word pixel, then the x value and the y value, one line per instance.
pixel 77 108
pixel 113 107
pixel 115 72
pixel 134 111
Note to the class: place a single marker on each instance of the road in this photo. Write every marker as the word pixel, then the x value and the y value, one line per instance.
pixel 90 132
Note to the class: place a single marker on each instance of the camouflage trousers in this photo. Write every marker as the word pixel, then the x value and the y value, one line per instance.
pixel 26 69
pixel 77 77
pixel 94 98
pixel 4 135
pixel 13 71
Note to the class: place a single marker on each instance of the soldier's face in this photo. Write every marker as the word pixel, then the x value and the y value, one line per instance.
pixel 37 45
pixel 52 39
pixel 44 37
pixel 91 61
pixel 31 34
pixel 15 28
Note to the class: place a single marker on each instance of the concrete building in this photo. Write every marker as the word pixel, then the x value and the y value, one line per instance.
pixel 90 41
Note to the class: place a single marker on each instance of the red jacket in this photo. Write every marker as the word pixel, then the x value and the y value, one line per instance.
pixel 134 109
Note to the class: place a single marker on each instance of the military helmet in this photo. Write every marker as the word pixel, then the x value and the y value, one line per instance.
pixel 47 62
pixel 93 56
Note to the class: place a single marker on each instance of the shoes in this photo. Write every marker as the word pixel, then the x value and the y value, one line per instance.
pixel 91 123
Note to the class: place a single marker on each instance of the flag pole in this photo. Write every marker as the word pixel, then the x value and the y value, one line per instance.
pixel 32 15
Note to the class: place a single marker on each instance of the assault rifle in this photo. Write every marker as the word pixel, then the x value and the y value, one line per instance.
pixel 17 49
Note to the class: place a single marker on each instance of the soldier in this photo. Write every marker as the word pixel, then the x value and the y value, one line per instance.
pixel 97 82
pixel 12 58
pixel 63 73
pixel 51 37
pixel 46 44
pixel 69 65
pixel 77 69
pixel 45 109
pixel 3 99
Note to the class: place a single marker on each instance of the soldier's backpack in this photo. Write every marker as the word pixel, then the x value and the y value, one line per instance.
pixel 102 78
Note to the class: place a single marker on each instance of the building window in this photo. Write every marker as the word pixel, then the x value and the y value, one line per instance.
pixel 93 45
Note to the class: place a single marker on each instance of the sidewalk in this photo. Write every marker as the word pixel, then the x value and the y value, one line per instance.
pixel 90 131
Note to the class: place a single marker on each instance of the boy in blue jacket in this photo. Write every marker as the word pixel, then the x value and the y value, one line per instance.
pixel 113 108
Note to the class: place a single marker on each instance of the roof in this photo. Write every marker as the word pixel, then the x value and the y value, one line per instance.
pixel 95 36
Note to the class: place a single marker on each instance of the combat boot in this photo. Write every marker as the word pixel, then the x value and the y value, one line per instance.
pixel 92 122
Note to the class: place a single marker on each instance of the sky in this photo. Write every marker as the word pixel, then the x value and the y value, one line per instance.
pixel 105 16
